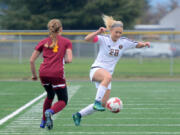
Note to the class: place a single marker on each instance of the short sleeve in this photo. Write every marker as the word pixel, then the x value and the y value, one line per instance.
pixel 69 45
pixel 39 46
pixel 98 39
pixel 95 39
pixel 130 43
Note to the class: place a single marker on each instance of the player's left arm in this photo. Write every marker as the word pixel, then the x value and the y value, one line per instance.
pixel 68 56
pixel 143 44
pixel 33 58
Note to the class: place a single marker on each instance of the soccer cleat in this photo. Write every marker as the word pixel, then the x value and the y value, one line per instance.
pixel 98 106
pixel 77 118
pixel 49 121
pixel 43 124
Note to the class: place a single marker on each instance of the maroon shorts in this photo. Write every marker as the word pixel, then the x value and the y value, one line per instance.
pixel 54 81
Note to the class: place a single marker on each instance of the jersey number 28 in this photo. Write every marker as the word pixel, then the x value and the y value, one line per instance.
pixel 114 52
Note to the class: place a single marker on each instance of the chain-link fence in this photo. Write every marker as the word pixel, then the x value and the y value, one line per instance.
pixel 19 45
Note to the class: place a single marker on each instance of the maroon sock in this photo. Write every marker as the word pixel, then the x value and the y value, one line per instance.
pixel 47 105
pixel 58 106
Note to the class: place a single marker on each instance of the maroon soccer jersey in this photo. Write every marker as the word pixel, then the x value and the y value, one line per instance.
pixel 53 63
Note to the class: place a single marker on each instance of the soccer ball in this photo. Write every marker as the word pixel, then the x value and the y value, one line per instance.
pixel 114 104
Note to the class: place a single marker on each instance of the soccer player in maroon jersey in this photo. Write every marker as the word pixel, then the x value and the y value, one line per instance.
pixel 56 51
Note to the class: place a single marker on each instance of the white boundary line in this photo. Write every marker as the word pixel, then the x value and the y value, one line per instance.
pixel 32 118
pixel 21 109
pixel 124 125
pixel 100 133
pixel 67 118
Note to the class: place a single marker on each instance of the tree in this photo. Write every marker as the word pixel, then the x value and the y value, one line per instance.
pixel 75 14
pixel 173 4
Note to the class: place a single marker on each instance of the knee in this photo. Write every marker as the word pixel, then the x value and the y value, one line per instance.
pixel 62 94
pixel 63 98
pixel 108 78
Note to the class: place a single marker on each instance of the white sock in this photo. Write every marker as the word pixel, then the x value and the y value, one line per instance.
pixel 87 110
pixel 100 92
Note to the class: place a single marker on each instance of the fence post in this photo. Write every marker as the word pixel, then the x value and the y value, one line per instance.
pixel 172 37
pixel 171 65
pixel 20 49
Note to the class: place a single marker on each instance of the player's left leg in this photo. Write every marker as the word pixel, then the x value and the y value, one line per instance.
pixel 88 110
pixel 84 112
pixel 47 102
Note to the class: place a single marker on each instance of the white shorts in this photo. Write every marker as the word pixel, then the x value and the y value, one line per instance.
pixel 91 74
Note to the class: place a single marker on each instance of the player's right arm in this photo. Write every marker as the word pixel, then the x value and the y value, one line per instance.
pixel 33 58
pixel 68 56
pixel 90 37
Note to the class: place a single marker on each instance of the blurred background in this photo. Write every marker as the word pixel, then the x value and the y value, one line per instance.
pixel 146 80
pixel 24 23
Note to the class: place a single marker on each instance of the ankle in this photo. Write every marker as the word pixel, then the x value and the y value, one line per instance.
pixel 51 111
pixel 78 114
pixel 97 101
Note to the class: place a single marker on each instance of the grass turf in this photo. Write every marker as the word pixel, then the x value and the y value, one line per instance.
pixel 126 68
pixel 15 94
pixel 149 108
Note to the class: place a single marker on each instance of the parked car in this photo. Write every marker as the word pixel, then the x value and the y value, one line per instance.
pixel 134 52
pixel 157 49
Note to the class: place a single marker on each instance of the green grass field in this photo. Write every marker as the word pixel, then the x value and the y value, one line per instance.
pixel 79 68
pixel 150 108
pixel 15 94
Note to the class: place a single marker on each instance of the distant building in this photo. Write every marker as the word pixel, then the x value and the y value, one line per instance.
pixel 170 22
pixel 152 27
pixel 172 19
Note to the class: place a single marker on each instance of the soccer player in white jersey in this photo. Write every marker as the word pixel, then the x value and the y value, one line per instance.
pixel 111 48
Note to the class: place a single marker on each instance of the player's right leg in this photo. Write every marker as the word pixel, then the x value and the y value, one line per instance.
pixel 106 97
pixel 104 78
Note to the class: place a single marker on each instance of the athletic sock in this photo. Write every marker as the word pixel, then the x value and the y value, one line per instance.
pixel 58 106
pixel 87 110
pixel 100 92
pixel 47 104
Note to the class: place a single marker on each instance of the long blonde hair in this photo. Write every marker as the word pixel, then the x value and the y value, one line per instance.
pixel 54 26
pixel 110 22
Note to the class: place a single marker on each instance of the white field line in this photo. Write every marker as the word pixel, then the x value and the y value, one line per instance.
pixel 124 125
pixel 151 113
pixel 124 118
pixel 20 122
pixel 133 101
pixel 107 118
pixel 29 121
pixel 99 133
pixel 141 99
pixel 77 104
pixel 75 108
pixel 3 120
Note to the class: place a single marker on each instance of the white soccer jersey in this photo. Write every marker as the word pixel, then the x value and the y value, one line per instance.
pixel 110 52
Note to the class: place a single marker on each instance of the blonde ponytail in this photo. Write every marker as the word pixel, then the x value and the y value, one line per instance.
pixel 54 26
pixel 110 22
